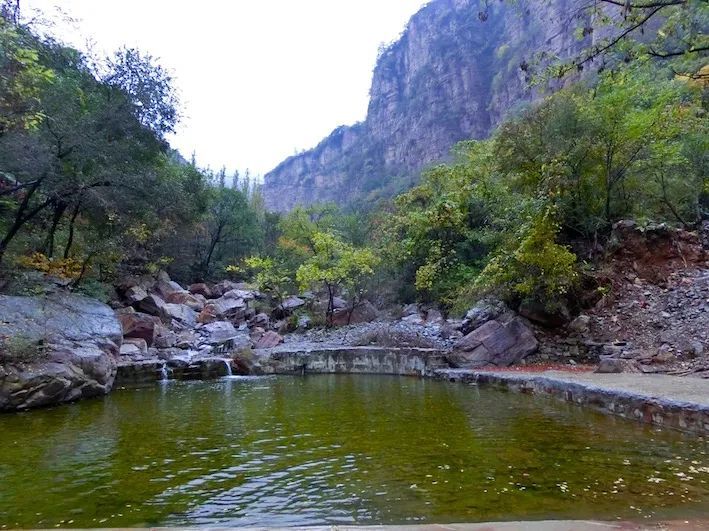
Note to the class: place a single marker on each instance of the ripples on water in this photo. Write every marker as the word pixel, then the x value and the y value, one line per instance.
pixel 337 450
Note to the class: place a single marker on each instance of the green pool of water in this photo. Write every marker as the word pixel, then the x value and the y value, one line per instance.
pixel 337 449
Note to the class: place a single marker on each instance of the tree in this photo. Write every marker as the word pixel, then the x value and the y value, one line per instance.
pixel 621 31
pixel 336 266
pixel 22 75
pixel 148 86
pixel 270 276
pixel 230 231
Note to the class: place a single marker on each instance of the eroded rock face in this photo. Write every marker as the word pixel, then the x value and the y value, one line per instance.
pixel 56 349
pixel 494 343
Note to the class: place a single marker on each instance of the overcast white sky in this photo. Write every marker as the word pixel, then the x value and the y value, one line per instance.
pixel 258 79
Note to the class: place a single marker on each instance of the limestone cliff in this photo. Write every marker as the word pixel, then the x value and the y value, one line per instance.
pixel 452 75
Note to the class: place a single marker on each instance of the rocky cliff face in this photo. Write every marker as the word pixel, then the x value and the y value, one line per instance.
pixel 451 76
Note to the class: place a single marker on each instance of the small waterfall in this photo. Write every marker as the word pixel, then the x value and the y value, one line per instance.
pixel 164 374
pixel 228 368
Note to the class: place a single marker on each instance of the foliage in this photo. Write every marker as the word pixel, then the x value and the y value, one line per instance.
pixel 86 177
pixel 336 265
pixel 530 265
pixel 503 214
pixel 67 268
pixel 270 276
pixel 617 32
pixel 22 79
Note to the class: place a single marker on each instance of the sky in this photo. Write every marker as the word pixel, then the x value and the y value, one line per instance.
pixel 258 79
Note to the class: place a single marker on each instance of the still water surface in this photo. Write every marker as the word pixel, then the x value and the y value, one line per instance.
pixel 337 449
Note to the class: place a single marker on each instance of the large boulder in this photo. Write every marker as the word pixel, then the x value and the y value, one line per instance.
pixel 55 349
pixel 244 294
pixel 152 304
pixel 181 313
pixel 291 303
pixel 140 325
pixel 135 294
pixel 494 343
pixel 167 288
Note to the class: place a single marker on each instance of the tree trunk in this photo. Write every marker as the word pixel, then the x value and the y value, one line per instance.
pixel 70 238
pixel 59 210
pixel 330 304
pixel 21 218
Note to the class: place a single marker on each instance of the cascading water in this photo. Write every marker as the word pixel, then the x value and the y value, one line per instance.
pixel 229 372
pixel 164 374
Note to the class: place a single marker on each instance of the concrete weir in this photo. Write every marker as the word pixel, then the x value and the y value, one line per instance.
pixel 402 361
pixel 661 400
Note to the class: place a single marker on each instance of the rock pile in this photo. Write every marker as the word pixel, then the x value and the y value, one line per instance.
pixel 163 320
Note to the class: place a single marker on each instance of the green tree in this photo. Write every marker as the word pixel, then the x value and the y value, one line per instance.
pixel 337 267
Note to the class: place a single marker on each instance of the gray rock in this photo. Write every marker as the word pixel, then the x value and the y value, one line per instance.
pixel 434 317
pixel 165 338
pixel 152 304
pixel 292 303
pixel 581 324
pixel 304 322
pixel 414 318
pixel 494 344
pixel 71 343
pixel 240 294
pixel 136 342
pixel 183 297
pixel 58 317
pixel 262 320
pixel 410 309
pixel 135 294
pixel 617 365
pixel 227 306
pixel 483 311
pixel 179 312
pixel 218 332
